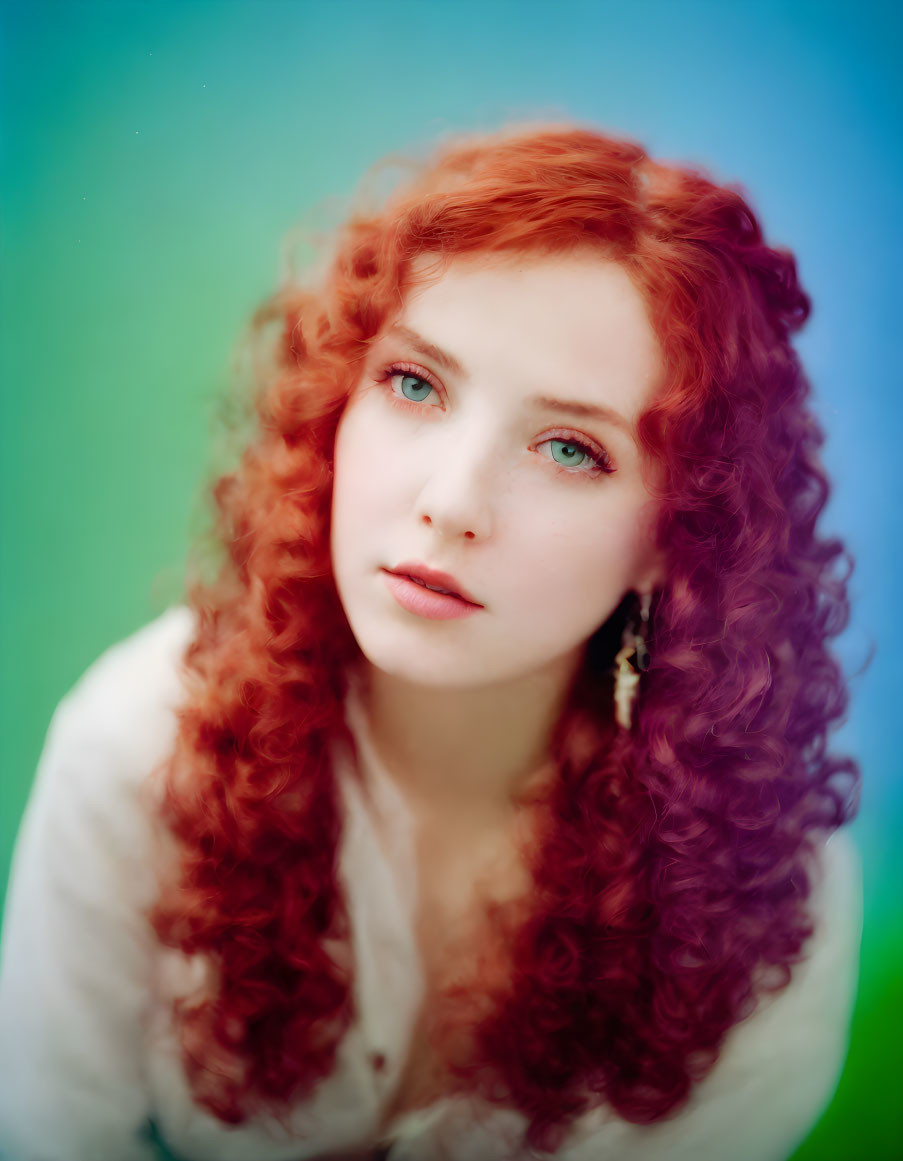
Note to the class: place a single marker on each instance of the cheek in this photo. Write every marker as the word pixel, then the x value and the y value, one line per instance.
pixel 365 441
pixel 356 468
pixel 348 496
pixel 587 559
pixel 376 470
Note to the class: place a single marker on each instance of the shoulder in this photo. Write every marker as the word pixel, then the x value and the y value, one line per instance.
pixel 115 725
pixel 124 700
pixel 828 976
pixel 836 901
pixel 802 1031
pixel 828 973
pixel 86 807
pixel 142 667
pixel 779 1068
pixel 76 947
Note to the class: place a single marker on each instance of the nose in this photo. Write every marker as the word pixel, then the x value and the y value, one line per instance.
pixel 457 498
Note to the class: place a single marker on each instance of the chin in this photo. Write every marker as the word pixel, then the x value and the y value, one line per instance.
pixel 423 670
pixel 418 664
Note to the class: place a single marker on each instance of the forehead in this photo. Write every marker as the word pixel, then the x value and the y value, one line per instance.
pixel 556 322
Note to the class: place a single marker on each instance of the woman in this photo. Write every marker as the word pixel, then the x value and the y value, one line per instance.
pixel 536 861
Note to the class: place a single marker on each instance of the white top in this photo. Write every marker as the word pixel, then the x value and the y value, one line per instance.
pixel 86 1052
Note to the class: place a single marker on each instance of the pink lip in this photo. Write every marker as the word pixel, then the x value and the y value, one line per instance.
pixel 434 577
pixel 425 603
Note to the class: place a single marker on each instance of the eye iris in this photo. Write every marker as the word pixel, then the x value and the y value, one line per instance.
pixel 420 385
pixel 571 450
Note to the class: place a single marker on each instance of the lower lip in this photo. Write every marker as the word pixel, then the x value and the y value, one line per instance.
pixel 424 602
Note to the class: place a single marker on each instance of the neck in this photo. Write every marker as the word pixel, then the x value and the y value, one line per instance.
pixel 467 752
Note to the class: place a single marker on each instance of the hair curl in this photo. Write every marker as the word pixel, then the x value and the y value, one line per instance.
pixel 670 885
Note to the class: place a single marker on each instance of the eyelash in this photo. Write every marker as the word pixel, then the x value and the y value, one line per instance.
pixel 597 455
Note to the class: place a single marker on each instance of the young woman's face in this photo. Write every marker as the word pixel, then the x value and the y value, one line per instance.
pixel 456 451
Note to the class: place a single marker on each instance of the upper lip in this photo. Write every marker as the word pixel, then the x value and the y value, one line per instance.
pixel 432 576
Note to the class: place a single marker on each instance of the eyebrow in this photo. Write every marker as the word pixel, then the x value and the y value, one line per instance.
pixel 570 406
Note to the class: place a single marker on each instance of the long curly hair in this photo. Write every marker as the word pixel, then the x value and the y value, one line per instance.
pixel 670 876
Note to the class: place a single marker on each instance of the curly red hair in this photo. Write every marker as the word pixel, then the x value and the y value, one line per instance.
pixel 671 880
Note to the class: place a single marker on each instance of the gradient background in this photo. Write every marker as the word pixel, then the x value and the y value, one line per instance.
pixel 155 155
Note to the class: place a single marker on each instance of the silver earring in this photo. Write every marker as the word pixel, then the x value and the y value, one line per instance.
pixel 633 648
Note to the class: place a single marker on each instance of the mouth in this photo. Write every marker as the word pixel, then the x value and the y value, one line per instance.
pixel 420 598
pixel 435 581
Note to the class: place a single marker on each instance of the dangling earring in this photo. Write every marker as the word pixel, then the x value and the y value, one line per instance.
pixel 633 645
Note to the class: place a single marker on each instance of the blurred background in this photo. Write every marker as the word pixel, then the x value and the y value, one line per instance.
pixel 154 158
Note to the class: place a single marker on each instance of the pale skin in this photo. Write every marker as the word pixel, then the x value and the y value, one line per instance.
pixel 456 467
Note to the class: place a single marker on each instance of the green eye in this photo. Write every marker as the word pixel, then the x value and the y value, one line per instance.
pixel 571 452
pixel 575 458
pixel 422 385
